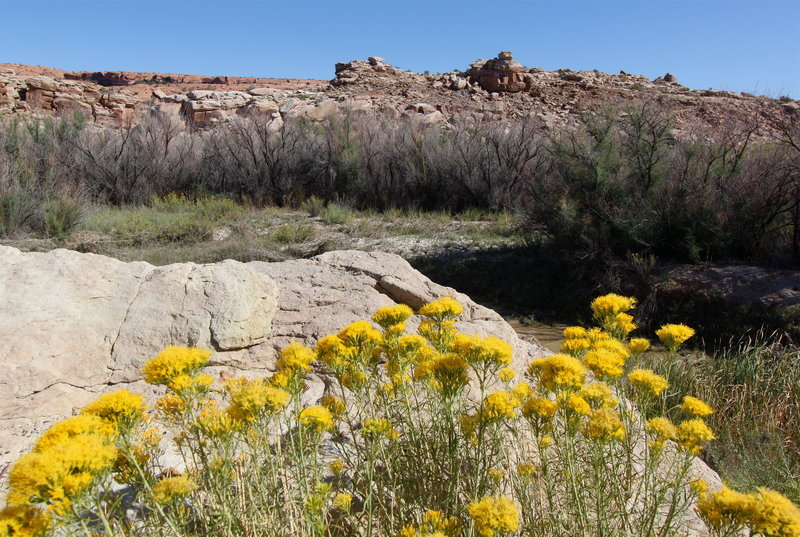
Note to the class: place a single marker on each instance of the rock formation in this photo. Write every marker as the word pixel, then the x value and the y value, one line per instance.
pixel 492 90
pixel 500 74
pixel 76 325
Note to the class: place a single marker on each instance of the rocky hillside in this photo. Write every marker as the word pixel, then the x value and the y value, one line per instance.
pixel 495 89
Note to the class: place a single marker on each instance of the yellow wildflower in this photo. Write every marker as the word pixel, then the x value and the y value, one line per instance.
pixel 122 408
pixel 170 489
pixel 443 309
pixel 214 423
pixel 604 424
pixel 597 334
pixel 558 371
pixel 725 508
pixel 498 406
pixel 186 385
pixel 171 405
pixel 507 374
pixel 613 345
pixel 605 364
pixel 410 343
pixel 343 501
pixel 392 315
pixel 353 378
pixel 673 335
pixel 63 431
pixel 692 433
pixel 607 307
pixel 374 428
pixel 662 429
pixel 450 373
pixel 574 332
pixel 494 514
pixel 774 515
pixel 540 408
pixel 699 486
pixel 21 520
pixel 575 347
pixel 334 404
pixel 638 345
pixel 329 350
pixel 496 474
pixel 317 419
pixel 695 407
pixel 336 466
pixel 647 381
pixel 60 472
pixel 574 404
pixel 599 395
pixel 522 391
pixel 174 361
pixel 545 442
pixel 295 356
pixel 622 325
pixel 253 399
pixel 526 470
pixel 358 334
pixel 434 523
pixel 482 352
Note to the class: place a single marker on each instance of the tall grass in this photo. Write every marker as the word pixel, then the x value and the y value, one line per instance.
pixel 754 384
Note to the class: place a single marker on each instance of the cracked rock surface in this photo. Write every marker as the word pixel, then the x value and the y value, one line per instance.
pixel 73 325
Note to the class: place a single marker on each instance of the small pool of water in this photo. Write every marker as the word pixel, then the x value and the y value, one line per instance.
pixel 549 336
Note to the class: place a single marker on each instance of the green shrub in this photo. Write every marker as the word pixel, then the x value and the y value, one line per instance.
pixel 292 233
pixel 335 214
pixel 313 206
pixel 62 215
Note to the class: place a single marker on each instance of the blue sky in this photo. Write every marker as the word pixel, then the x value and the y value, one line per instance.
pixel 737 45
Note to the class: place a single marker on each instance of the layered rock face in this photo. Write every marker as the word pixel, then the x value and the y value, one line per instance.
pixel 490 90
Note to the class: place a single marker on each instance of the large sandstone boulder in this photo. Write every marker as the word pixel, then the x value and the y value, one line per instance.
pixel 500 74
pixel 77 325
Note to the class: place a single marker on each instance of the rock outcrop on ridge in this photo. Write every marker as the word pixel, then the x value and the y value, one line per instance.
pixel 496 89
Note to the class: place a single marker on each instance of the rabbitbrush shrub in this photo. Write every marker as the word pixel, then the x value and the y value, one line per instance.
pixel 419 434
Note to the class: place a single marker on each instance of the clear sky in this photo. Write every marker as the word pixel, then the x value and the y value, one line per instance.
pixel 737 45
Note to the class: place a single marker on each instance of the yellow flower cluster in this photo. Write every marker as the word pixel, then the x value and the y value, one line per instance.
pixel 171 489
pixel 389 316
pixel 647 381
pixel 494 514
pixel 20 520
pixel 662 430
pixel 558 371
pixel 316 419
pixel 295 356
pixel 673 336
pixel 121 408
pixel 695 407
pixel 342 501
pixel 692 434
pixel 604 424
pixel 766 512
pixel 174 361
pixel 433 524
pixel 254 399
pixel 599 395
pixel 444 309
pixel 609 311
pixel 375 428
pixel 482 352
pixel 498 406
